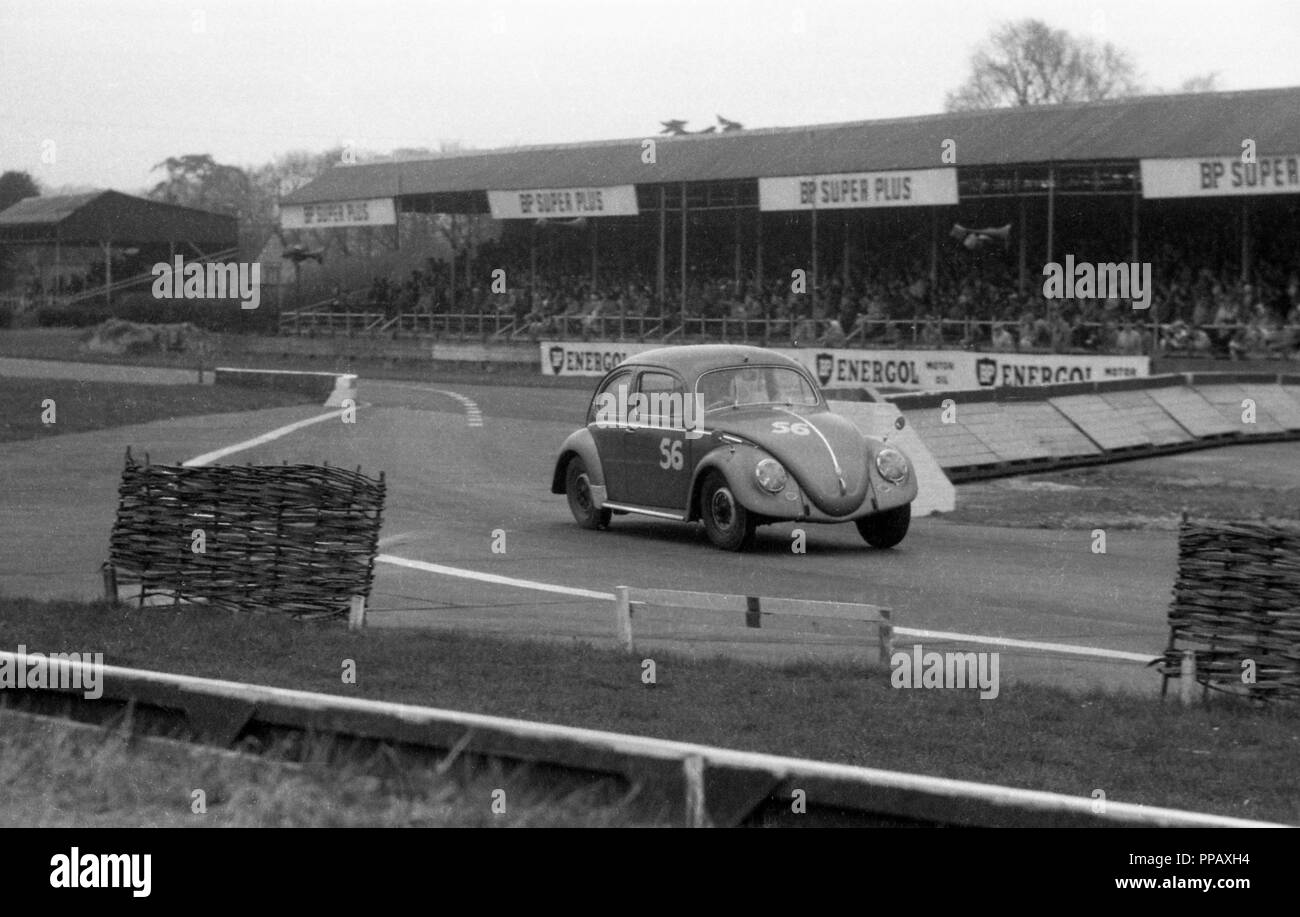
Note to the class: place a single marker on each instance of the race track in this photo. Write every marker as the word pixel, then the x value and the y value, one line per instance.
pixel 457 474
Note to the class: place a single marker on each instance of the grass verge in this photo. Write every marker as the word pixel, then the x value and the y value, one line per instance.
pixel 56 774
pixel 83 406
pixel 1226 758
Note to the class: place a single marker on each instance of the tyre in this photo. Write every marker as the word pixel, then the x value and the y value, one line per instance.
pixel 577 487
pixel 728 524
pixel 884 530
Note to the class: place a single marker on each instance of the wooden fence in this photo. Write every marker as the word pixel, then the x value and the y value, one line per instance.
pixel 292 539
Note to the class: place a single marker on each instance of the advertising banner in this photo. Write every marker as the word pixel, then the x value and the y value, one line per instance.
pixel 563 203
pixel 912 370
pixel 378 211
pixel 1220 176
pixel 916 188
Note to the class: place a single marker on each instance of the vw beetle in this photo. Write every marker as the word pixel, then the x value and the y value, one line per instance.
pixel 734 437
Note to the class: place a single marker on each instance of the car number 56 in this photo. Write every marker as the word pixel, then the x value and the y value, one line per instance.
pixel 784 426
pixel 671 450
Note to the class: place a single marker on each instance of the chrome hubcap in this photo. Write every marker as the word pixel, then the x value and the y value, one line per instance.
pixel 724 508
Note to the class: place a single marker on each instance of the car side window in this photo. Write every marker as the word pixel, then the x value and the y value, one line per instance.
pixel 611 387
pixel 663 403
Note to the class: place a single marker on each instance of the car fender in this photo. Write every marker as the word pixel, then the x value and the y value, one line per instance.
pixel 582 444
pixel 736 462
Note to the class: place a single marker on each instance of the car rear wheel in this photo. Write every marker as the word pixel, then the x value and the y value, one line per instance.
pixel 728 524
pixel 577 487
pixel 884 530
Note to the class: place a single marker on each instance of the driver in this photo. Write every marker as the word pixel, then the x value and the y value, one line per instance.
pixel 748 387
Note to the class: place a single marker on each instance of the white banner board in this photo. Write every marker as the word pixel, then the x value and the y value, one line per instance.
pixel 1222 176
pixel 912 370
pixel 563 203
pixel 916 188
pixel 379 211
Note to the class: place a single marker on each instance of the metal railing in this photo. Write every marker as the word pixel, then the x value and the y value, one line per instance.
pixel 910 333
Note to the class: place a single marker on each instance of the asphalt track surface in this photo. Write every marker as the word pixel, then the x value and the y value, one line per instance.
pixel 453 484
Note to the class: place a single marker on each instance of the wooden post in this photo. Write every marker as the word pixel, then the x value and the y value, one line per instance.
pixel 110 582
pixel 885 630
pixel 623 619
pixel 693 771
pixel 1023 232
pixel 1187 679
pixel 357 613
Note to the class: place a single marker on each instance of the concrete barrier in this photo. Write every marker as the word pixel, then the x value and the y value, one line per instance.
pixel 331 388
pixel 935 493
pixel 996 432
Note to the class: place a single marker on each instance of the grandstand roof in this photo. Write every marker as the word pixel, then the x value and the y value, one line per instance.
pixel 1169 126
pixel 103 216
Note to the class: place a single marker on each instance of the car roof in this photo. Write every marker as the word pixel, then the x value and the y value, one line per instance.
pixel 692 359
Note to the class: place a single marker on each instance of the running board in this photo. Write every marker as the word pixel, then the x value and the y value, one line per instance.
pixel 676 517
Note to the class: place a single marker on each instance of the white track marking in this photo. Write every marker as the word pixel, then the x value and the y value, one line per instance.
pixel 1067 648
pixel 1064 648
pixel 473 415
pixel 209 457
pixel 490 577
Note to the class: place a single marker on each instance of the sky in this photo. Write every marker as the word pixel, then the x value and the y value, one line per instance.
pixel 98 93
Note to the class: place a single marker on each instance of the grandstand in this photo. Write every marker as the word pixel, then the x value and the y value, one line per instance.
pixel 709 237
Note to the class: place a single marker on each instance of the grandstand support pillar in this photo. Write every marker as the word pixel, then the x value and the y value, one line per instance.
pixel 736 249
pixel 663 230
pixel 593 223
pixel 1051 215
pixel 532 265
pixel 758 251
pixel 844 257
pixel 1245 241
pixel 1133 228
pixel 1023 233
pixel 812 276
pixel 683 264
pixel 934 253
pixel 58 262
pixel 108 272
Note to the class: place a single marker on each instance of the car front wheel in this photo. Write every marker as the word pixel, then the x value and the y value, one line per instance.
pixel 884 530
pixel 577 487
pixel 728 524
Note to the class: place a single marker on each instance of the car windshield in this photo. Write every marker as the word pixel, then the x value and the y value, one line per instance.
pixel 745 385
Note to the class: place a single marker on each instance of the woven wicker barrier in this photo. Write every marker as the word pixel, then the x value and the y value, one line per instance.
pixel 293 539
pixel 1237 597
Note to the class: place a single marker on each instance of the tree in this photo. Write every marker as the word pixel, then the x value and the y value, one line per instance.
pixel 14 186
pixel 1030 63
pixel 1202 82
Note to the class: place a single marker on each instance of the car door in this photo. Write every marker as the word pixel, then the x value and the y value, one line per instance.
pixel 657 453
pixel 609 430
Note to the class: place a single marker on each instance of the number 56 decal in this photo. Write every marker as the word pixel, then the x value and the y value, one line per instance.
pixel 784 426
pixel 671 450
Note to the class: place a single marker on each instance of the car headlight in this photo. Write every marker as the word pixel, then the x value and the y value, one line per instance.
pixel 892 465
pixel 770 475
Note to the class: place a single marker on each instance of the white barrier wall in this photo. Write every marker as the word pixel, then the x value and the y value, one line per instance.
pixel 935 493
pixel 919 370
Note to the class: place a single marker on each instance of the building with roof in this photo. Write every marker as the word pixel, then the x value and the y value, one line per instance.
pixel 113 224
pixel 1093 178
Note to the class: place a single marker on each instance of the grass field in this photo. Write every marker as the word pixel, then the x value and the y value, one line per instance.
pixel 82 406
pixel 1240 482
pixel 1225 758
pixel 58 774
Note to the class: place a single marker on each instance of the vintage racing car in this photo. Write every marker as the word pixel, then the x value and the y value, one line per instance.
pixel 735 437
